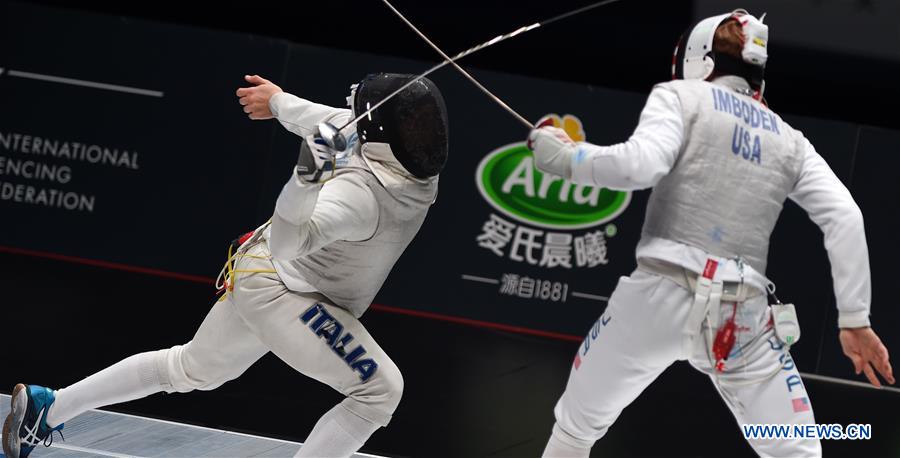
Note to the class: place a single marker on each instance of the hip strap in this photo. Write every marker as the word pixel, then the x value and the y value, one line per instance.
pixel 732 291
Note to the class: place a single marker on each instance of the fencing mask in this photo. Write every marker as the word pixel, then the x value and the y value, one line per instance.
pixel 413 123
pixel 695 57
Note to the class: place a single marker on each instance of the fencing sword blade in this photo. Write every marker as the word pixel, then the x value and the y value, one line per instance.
pixel 476 48
pixel 466 74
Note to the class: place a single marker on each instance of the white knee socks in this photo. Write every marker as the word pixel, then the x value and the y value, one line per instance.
pixel 562 444
pixel 339 433
pixel 132 378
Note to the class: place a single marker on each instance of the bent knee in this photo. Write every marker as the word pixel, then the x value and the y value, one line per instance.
pixel 393 387
pixel 384 389
pixel 377 398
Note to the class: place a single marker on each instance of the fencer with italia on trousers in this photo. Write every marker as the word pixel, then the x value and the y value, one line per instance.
pixel 297 285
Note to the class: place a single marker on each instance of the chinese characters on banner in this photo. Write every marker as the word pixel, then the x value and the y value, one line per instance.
pixel 542 248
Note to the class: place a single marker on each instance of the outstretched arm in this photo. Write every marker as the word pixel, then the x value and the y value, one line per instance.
pixel 265 100
pixel 830 205
pixel 638 163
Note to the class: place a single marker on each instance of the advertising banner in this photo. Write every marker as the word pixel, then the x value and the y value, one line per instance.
pixel 121 141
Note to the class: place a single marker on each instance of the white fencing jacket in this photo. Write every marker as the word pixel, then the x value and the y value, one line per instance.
pixel 653 152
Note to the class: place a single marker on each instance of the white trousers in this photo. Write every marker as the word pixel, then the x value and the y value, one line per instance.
pixel 304 330
pixel 260 315
pixel 641 333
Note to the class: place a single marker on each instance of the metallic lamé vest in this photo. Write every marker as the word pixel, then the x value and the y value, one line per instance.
pixel 736 167
pixel 351 273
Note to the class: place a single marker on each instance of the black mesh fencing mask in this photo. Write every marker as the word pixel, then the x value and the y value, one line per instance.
pixel 413 122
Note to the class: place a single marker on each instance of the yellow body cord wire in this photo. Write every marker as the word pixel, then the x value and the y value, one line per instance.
pixel 229 273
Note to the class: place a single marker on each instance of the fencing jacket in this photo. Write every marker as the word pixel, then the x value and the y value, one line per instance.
pixel 722 165
pixel 342 238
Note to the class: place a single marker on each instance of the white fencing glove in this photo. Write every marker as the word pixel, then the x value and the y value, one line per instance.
pixel 553 148
pixel 315 158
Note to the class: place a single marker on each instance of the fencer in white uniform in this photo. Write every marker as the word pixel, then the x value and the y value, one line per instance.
pixel 721 164
pixel 297 285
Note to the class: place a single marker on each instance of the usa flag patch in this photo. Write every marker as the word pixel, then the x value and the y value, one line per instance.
pixel 800 404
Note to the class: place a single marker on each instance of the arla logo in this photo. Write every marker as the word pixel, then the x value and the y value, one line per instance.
pixel 509 181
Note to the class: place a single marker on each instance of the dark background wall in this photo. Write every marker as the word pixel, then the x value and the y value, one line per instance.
pixel 134 273
pixel 829 59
